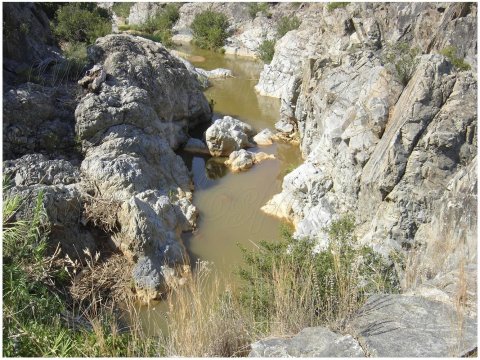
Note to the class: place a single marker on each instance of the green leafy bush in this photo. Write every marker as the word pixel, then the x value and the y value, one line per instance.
pixel 81 22
pixel 254 8
pixel 210 29
pixel 336 5
pixel 266 50
pixel 287 24
pixel 159 27
pixel 292 284
pixel 122 8
pixel 403 58
pixel 450 52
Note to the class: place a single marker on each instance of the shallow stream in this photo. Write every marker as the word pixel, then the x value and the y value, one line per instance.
pixel 229 203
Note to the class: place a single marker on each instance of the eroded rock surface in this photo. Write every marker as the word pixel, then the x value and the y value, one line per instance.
pixel 264 137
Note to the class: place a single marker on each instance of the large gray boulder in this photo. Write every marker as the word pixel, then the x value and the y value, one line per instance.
pixel 310 342
pixel 409 326
pixel 385 326
pixel 128 132
pixel 227 135
pixel 242 159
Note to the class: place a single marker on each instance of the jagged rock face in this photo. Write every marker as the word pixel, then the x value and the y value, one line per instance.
pixel 227 135
pixel 37 119
pixel 420 151
pixel 128 130
pixel 429 26
pixel 447 264
pixel 374 147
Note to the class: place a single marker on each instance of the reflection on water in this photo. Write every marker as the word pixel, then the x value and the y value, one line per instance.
pixel 229 204
pixel 215 168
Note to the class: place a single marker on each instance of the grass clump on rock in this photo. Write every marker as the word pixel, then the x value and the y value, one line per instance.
pixel 287 24
pixel 254 8
pixel 404 59
pixel 210 30
pixel 266 50
pixel 336 5
pixel 450 52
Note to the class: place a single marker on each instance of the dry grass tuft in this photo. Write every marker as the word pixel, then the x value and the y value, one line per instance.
pixel 102 213
pixel 102 282
pixel 204 320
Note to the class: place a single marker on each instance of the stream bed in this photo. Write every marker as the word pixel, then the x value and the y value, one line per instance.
pixel 229 203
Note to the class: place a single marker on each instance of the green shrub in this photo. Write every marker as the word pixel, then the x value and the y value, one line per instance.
pixel 210 30
pixel 122 8
pixel 159 27
pixel 403 58
pixel 291 284
pixel 450 52
pixel 254 8
pixel 336 5
pixel 266 50
pixel 287 24
pixel 81 22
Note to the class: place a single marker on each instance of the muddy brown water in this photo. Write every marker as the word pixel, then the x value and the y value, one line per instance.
pixel 229 203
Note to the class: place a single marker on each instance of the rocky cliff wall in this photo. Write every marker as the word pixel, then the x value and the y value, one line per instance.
pixel 375 146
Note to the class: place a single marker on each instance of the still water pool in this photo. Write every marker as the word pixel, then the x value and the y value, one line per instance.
pixel 229 203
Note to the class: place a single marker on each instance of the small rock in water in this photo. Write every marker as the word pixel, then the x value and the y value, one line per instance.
pixel 216 73
pixel 284 126
pixel 264 137
pixel 242 160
